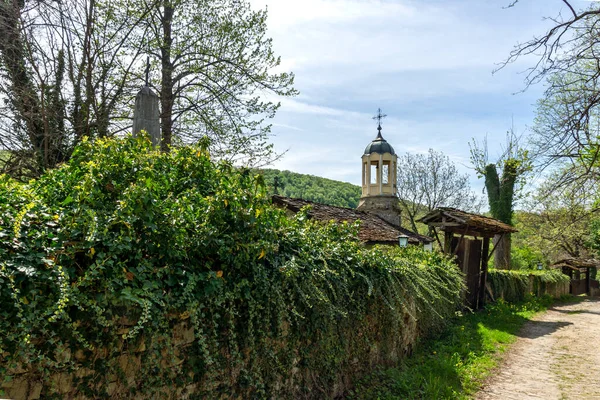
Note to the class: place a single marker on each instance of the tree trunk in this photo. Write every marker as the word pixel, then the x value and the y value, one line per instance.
pixel 501 197
pixel 25 100
pixel 166 87
pixel 502 252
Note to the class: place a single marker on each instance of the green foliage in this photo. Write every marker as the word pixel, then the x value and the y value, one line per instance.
pixel 514 163
pixel 454 364
pixel 559 222
pixel 515 285
pixel 312 188
pixel 109 252
pixel 526 257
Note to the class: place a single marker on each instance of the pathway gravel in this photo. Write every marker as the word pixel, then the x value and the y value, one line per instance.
pixel 557 356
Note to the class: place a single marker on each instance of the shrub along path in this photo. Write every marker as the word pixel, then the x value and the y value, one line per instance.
pixel 555 357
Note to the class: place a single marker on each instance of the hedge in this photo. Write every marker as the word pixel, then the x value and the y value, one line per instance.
pixel 514 285
pixel 108 264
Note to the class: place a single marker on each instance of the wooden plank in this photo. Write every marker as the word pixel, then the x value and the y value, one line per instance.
pixel 469 232
pixel 448 242
pixel 495 245
pixel 454 217
pixel 484 269
pixel 444 224
pixel 459 242
pixel 587 282
pixel 473 267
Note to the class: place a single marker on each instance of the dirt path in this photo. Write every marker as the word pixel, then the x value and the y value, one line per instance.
pixel 557 356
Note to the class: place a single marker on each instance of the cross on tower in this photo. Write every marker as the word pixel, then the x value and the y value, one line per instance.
pixel 379 117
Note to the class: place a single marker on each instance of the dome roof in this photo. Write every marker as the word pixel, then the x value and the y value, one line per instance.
pixel 379 145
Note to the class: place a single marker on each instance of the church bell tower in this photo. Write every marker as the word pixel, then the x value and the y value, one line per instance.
pixel 379 169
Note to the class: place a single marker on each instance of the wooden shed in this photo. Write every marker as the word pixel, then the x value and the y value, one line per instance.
pixel 467 236
pixel 579 270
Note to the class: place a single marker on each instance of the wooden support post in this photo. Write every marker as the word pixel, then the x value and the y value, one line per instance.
pixel 571 281
pixel 496 245
pixel 448 242
pixel 587 281
pixel 437 238
pixel 484 269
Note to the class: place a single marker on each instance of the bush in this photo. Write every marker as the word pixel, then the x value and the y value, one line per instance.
pixel 515 285
pixel 526 257
pixel 105 255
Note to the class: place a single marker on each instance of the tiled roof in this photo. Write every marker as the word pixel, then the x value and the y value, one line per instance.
pixel 576 263
pixel 454 220
pixel 372 228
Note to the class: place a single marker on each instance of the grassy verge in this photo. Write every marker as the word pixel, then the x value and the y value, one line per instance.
pixel 454 364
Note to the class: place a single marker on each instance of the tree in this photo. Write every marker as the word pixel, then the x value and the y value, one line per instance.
pixel 64 75
pixel 567 123
pixel 215 64
pixel 559 219
pixel 69 70
pixel 426 182
pixel 312 188
pixel 514 163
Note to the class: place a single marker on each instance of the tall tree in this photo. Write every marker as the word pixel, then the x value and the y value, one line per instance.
pixel 428 181
pixel 501 189
pixel 568 61
pixel 64 75
pixel 215 64
pixel 69 70
pixel 558 219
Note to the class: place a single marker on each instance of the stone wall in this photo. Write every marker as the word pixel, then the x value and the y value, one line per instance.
pixel 555 290
pixel 368 344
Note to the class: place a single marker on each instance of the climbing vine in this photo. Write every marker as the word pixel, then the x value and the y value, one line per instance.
pixel 514 286
pixel 108 255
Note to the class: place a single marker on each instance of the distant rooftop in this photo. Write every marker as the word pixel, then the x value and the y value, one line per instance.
pixel 462 222
pixel 373 229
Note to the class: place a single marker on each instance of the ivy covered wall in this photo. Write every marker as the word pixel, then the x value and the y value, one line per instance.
pixel 514 286
pixel 133 273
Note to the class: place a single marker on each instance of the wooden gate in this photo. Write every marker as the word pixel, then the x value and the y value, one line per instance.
pixel 467 236
pixel 468 256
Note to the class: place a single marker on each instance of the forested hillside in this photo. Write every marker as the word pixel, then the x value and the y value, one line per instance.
pixel 310 187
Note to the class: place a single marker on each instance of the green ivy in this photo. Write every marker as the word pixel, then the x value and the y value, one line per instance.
pixel 513 285
pixel 106 254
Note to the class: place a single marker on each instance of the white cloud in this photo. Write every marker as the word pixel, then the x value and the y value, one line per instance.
pixel 428 64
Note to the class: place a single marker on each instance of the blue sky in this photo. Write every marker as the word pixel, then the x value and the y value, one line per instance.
pixel 427 64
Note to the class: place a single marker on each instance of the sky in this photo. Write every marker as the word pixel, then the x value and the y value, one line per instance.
pixel 427 64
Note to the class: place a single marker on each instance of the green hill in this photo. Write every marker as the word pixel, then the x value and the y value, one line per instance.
pixel 312 188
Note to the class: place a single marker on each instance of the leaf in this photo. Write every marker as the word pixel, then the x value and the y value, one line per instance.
pixel 262 254
pixel 184 315
pixel 68 200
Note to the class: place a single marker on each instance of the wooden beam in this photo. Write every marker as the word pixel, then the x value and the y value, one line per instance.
pixel 484 269
pixel 459 242
pixel 444 224
pixel 448 242
pixel 438 238
pixel 454 217
pixel 587 281
pixel 495 245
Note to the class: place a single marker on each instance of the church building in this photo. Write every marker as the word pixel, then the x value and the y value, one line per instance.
pixel 378 209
